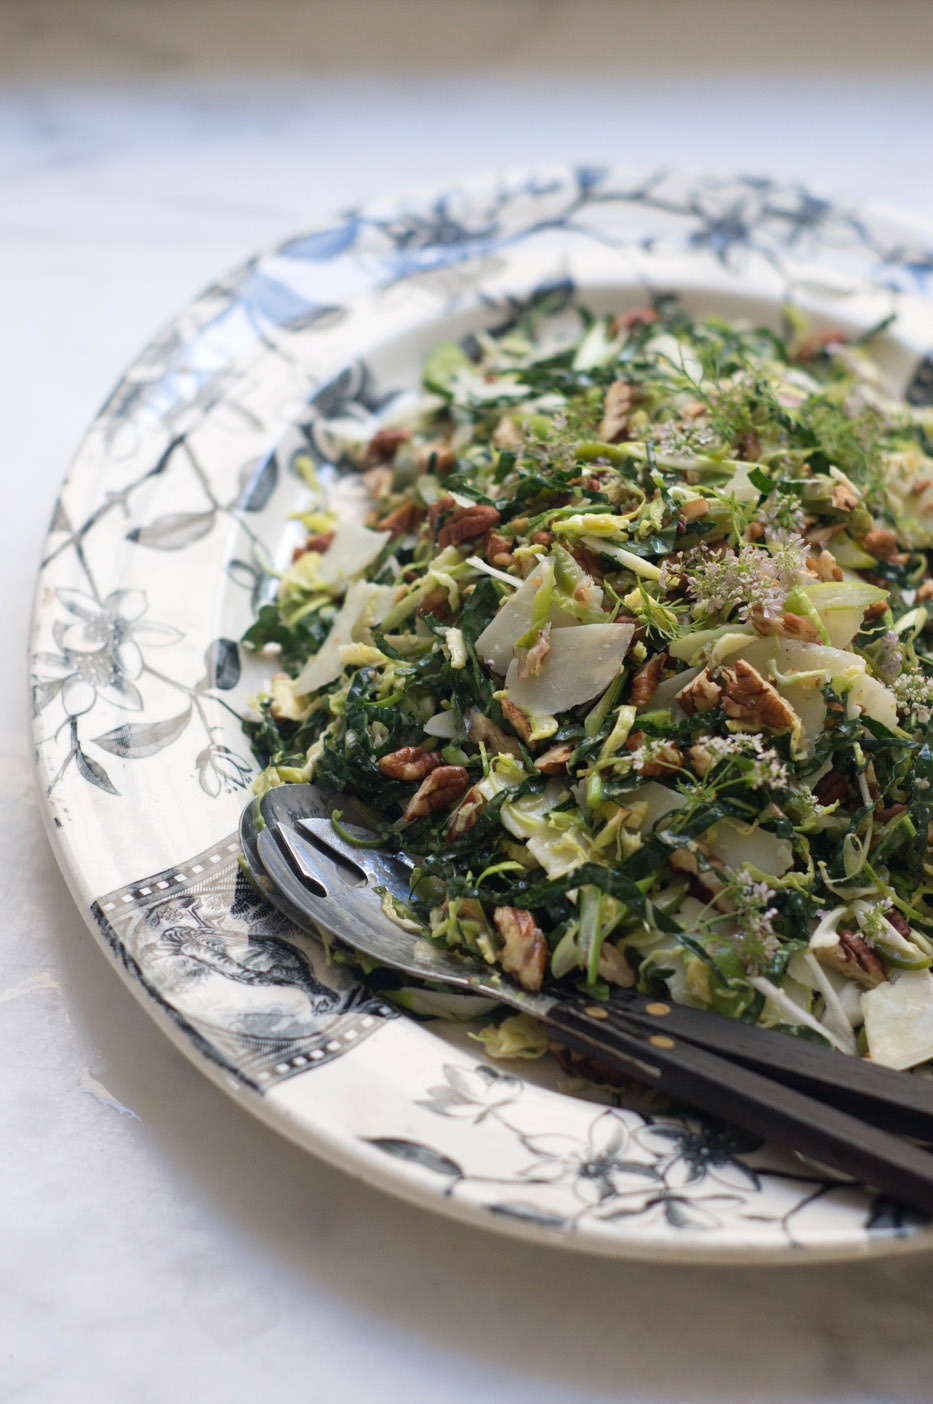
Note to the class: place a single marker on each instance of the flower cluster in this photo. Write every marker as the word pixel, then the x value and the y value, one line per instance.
pixel 672 438
pixel 780 515
pixel 756 940
pixel 766 769
pixel 754 577
pixel 914 693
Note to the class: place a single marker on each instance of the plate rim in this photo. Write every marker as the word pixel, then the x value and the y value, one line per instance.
pixel 386 1177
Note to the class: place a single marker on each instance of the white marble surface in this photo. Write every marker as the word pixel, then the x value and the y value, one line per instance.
pixel 157 1243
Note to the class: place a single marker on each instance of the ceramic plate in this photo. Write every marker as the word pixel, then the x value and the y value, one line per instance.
pixel 164 541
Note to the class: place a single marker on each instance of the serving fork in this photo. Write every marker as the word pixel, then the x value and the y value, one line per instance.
pixel 846 1113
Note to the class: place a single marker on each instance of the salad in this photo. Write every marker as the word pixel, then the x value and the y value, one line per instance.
pixel 634 655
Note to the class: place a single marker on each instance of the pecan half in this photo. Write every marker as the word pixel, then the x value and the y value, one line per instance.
pixel 439 505
pixel 524 954
pixel 748 697
pixel 466 523
pixel 645 681
pixel 788 626
pixel 409 763
pixel 701 694
pixel 555 760
pixel 439 789
pixel 851 956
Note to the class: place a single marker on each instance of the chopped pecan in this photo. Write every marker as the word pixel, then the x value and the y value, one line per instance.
pixel 614 967
pixel 496 549
pixel 824 566
pixel 617 406
pixel 668 758
pixel 884 816
pixel 748 697
pixel 378 481
pixel 820 536
pixel 438 458
pixel 318 543
pixel 446 503
pixel 749 446
pixel 894 918
pixel 466 523
pixel 925 591
pixel 706 882
pixel 402 519
pixel 588 560
pixel 700 759
pixel 436 602
pixel 754 531
pixel 638 317
pixel 384 443
pixel 882 544
pixel 851 956
pixel 466 814
pixel 542 538
pixel 555 760
pixel 813 345
pixel 701 694
pixel 845 497
pixel 439 789
pixel 482 730
pixel 524 954
pixel 789 626
pixel 875 611
pixel 694 509
pixel 645 681
pixel 409 763
pixel 831 787
pixel 517 719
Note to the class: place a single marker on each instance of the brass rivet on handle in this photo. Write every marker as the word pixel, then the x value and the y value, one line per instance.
pixel 596 1011
pixel 657 1008
pixel 661 1041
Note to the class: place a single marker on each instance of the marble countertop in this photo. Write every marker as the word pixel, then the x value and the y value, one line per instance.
pixel 157 1242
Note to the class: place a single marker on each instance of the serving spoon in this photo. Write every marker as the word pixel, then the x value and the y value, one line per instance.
pixel 839 1110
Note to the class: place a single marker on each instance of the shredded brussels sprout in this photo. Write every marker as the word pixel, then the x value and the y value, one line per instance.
pixel 634 655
